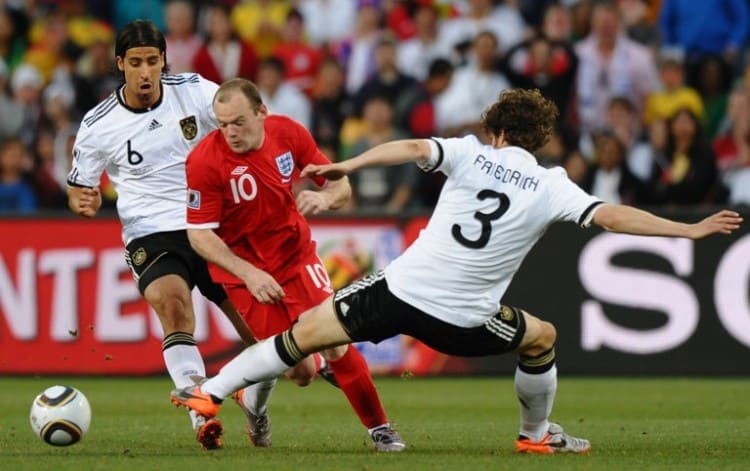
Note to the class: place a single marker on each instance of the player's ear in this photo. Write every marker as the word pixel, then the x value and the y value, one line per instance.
pixel 262 110
pixel 120 65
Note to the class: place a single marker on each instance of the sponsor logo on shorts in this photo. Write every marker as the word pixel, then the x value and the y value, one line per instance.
pixel 139 256
pixel 506 314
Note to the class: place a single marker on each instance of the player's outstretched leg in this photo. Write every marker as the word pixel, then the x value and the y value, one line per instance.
pixel 554 441
pixel 253 400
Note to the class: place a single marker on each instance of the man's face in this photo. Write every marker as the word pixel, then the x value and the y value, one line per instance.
pixel 241 125
pixel 142 67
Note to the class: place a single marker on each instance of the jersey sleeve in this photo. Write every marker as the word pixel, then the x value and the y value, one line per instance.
pixel 449 151
pixel 307 151
pixel 88 163
pixel 568 202
pixel 207 91
pixel 204 192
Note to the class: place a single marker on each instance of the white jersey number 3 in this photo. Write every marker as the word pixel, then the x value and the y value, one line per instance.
pixel 243 188
pixel 484 218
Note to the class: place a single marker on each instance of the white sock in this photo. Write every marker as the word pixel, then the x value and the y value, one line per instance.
pixel 184 361
pixel 256 396
pixel 537 394
pixel 259 362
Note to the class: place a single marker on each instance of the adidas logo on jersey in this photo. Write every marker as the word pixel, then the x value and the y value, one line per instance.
pixel 154 125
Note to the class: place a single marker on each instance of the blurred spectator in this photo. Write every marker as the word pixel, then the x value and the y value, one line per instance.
pixel 280 96
pixel 387 80
pixel 557 23
pixel 84 29
pixel 357 53
pixel 223 56
pixel 387 189
pixel 608 178
pixel 47 38
pixel 684 171
pixel 49 190
pixel 415 110
pixel 704 28
pixel 328 21
pixel 183 43
pixel 714 82
pixel 581 12
pixel 301 61
pixel 503 20
pixel 399 20
pixel 474 87
pixel 11 117
pixel 637 24
pixel 13 28
pixel 259 22
pixel 415 113
pixel 674 95
pixel 125 11
pixel 331 106
pixel 416 54
pixel 26 85
pixel 610 64
pixel 546 65
pixel 16 193
pixel 732 148
pixel 97 68
pixel 561 144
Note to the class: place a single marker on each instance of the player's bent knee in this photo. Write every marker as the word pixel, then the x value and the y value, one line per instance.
pixel 333 354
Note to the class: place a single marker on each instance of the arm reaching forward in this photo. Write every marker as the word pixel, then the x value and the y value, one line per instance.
pixel 389 153
pixel 629 220
pixel 260 284
pixel 333 195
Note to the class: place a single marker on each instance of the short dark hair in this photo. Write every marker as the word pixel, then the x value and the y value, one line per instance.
pixel 525 116
pixel 244 86
pixel 440 68
pixel 141 33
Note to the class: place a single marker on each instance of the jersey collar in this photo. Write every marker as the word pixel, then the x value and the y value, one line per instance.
pixel 119 92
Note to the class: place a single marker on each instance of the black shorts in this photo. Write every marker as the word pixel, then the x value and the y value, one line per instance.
pixel 170 253
pixel 368 311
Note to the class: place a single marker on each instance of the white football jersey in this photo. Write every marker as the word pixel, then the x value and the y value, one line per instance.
pixel 494 206
pixel 144 152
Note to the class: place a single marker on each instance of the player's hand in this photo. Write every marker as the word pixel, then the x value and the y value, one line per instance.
pixel 89 202
pixel 723 222
pixel 263 286
pixel 312 202
pixel 335 171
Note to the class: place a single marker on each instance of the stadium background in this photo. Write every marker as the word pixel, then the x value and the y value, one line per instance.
pixel 621 304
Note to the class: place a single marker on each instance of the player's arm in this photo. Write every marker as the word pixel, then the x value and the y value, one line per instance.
pixel 334 195
pixel 210 246
pixel 389 153
pixel 629 220
pixel 84 201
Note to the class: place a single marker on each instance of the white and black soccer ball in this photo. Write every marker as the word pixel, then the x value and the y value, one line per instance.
pixel 60 415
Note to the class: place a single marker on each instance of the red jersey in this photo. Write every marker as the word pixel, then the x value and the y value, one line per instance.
pixel 247 198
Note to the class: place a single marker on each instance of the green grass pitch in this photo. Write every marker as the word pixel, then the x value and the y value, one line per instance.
pixel 449 424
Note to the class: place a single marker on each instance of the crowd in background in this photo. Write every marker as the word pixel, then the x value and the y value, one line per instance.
pixel 654 95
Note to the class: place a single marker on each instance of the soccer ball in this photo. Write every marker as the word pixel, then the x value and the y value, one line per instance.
pixel 60 415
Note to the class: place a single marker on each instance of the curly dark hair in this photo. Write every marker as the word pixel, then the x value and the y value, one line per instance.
pixel 525 116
